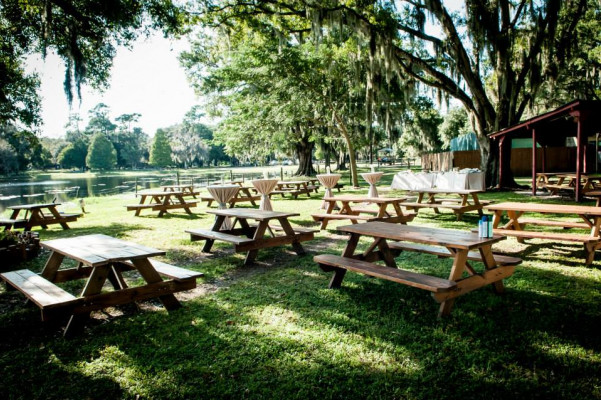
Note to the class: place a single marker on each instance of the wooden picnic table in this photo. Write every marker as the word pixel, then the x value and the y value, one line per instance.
pixel 161 201
pixel 568 182
pixel 99 258
pixel 254 237
pixel 346 211
pixel 463 200
pixel 34 215
pixel 590 219
pixel 389 240
pixel 187 190
pixel 294 188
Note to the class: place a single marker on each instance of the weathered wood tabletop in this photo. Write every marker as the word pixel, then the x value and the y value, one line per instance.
pixel 347 211
pixel 99 258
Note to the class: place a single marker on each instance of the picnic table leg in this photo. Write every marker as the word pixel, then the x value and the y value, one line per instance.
pixel 386 253
pixel 151 275
pixel 180 198
pixel 246 228
pixel 165 203
pixel 298 248
pixel 456 273
pixel 339 273
pixel 259 233
pixel 329 209
pixel 490 263
pixel 59 217
pixel 216 225
pixel 93 286
pixel 116 279
pixel 52 265
pixel 476 201
pixel 513 222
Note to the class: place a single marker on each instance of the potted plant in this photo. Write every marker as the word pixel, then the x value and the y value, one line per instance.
pixel 18 246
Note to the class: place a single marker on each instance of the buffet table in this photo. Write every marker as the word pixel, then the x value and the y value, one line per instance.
pixel 461 180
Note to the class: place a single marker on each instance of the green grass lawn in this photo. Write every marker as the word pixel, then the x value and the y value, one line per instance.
pixel 274 330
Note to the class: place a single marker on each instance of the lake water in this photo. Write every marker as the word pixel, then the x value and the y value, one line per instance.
pixel 42 189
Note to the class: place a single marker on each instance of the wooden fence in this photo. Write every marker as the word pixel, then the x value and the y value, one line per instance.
pixel 558 159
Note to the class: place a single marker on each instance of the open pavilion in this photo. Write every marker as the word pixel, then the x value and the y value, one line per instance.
pixel 579 119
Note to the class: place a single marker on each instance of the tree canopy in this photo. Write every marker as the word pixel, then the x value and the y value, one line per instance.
pixel 84 34
pixel 101 153
pixel 495 57
pixel 160 150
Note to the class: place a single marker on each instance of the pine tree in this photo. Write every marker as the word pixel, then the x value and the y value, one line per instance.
pixel 160 150
pixel 101 153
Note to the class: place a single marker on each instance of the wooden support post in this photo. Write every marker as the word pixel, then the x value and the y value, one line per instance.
pixel 578 194
pixel 533 161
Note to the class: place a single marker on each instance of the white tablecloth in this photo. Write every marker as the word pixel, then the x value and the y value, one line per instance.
pixel 443 180
pixel 407 180
pixel 328 181
pixel 372 178
pixel 264 187
pixel 222 195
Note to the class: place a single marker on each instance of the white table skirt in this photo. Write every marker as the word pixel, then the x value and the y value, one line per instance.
pixel 441 180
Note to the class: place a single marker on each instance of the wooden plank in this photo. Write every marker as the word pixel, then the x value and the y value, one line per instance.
pixel 133 207
pixel 544 208
pixel 441 205
pixel 247 213
pixel 203 234
pixel 42 292
pixel 568 237
pixel 501 260
pixel 186 204
pixel 95 250
pixel 319 217
pixel 431 283
pixel 170 271
pixel 263 243
pixel 421 234
pixel 560 224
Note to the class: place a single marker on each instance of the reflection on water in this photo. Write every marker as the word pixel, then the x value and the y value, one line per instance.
pixel 42 189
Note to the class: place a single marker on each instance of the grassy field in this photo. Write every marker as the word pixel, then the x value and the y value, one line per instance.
pixel 274 330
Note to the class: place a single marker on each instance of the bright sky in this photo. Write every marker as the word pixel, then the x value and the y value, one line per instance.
pixel 147 80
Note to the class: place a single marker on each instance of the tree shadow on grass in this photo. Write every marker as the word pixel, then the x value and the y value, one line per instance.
pixel 282 332
pixel 565 254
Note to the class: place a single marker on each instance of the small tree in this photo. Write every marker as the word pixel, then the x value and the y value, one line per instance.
pixel 160 150
pixel 101 153
pixel 74 155
pixel 8 158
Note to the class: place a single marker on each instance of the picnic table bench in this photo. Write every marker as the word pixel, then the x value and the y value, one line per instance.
pixel 354 214
pixel 161 201
pixel 249 237
pixel 465 200
pixel 516 226
pixel 99 258
pixel 391 239
pixel 36 216
pixel 8 223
